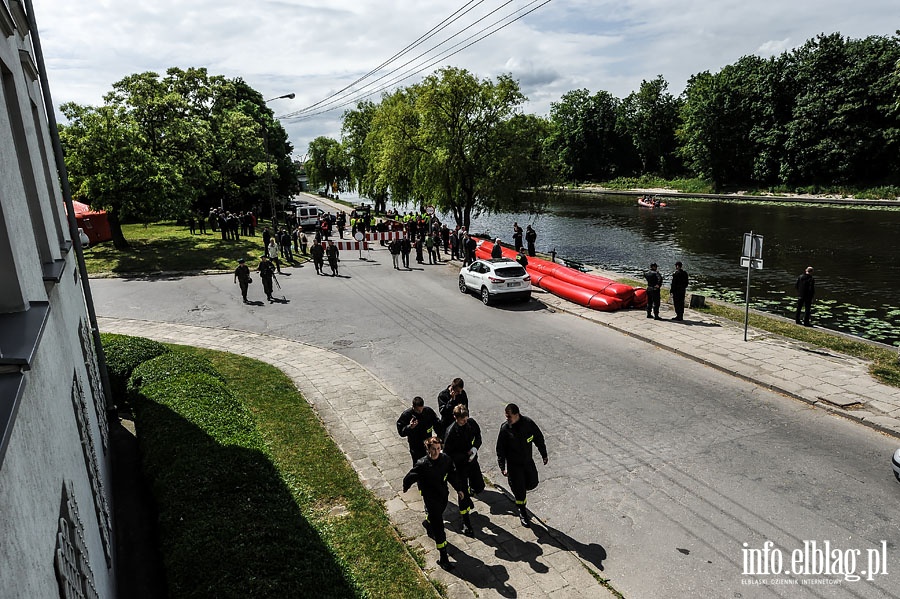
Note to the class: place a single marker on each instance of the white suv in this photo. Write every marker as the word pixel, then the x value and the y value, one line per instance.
pixel 496 278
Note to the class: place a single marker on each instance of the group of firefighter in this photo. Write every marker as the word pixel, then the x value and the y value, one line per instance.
pixel 444 447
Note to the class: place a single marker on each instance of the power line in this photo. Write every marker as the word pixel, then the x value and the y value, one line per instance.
pixel 395 69
pixel 427 35
pixel 300 115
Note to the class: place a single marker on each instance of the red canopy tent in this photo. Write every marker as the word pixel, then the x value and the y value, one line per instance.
pixel 93 223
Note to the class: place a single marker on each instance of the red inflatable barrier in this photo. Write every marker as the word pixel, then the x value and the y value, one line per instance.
pixel 640 298
pixel 594 291
pixel 580 295
pixel 605 303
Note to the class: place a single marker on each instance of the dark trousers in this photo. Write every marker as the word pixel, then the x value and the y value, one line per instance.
pixel 803 303
pixel 434 508
pixel 244 285
pixel 678 302
pixel 522 477
pixel 531 249
pixel 405 256
pixel 653 302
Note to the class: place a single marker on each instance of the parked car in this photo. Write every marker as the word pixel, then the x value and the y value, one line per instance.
pixel 495 279
pixel 895 461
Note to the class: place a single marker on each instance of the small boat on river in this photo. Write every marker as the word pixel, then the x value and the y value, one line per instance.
pixel 651 202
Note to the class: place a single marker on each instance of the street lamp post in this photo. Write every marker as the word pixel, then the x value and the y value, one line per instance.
pixel 289 96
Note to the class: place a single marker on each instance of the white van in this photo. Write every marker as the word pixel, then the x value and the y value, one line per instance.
pixel 307 215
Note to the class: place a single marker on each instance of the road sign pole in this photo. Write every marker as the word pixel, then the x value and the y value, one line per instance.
pixel 747 302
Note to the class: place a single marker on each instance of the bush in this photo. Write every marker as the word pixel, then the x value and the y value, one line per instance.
pixel 123 355
pixel 169 365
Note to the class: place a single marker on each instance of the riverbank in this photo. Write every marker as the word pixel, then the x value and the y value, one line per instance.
pixel 824 199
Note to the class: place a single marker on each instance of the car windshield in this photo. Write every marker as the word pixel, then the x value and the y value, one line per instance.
pixel 510 271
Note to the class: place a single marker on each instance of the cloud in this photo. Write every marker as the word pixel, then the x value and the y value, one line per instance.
pixel 314 48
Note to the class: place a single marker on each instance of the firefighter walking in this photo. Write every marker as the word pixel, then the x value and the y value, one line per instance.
pixel 517 435
pixel 462 440
pixel 432 473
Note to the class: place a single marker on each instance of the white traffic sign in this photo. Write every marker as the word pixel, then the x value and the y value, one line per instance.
pixel 751 263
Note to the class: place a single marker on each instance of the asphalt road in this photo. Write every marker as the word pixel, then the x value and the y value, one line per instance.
pixel 660 469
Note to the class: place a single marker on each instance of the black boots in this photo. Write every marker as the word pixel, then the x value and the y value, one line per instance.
pixel 444 561
pixel 467 526
pixel 524 518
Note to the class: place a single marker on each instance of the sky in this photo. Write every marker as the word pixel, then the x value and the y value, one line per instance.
pixel 315 49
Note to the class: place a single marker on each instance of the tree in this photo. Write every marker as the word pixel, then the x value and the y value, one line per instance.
pixel 717 123
pixel 327 164
pixel 456 142
pixel 650 117
pixel 161 147
pixel 585 142
pixel 106 153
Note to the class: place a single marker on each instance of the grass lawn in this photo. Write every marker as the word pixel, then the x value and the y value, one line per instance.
pixel 170 247
pixel 318 530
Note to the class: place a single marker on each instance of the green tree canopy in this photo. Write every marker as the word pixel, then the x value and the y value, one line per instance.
pixel 160 147
pixel 454 142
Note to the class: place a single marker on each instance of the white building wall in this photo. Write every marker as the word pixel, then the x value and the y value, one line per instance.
pixel 50 435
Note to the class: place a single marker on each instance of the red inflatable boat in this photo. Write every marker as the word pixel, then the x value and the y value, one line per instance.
pixel 593 291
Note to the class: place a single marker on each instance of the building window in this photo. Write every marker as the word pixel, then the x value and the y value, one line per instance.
pixel 26 168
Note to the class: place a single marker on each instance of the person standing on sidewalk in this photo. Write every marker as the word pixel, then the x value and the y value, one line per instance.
pixel 678 289
pixel 517 237
pixel 654 285
pixel 462 440
pixel 530 238
pixel 806 289
pixel 449 398
pixel 514 457
pixel 242 276
pixel 418 424
pixel 432 473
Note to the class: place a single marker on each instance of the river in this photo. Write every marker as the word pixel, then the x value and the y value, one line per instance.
pixel 854 251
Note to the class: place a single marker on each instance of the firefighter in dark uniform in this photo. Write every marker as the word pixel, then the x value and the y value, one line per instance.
pixel 654 284
pixel 514 444
pixel 266 272
pixel 242 276
pixel 318 256
pixel 432 473
pixel 462 440
pixel 448 399
pixel 418 424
